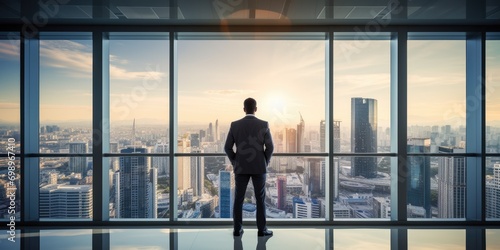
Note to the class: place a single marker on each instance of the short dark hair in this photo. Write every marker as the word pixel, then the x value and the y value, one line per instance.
pixel 250 104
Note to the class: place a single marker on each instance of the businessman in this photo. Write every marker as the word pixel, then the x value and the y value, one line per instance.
pixel 254 148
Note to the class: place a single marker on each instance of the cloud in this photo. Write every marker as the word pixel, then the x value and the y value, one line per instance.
pixel 9 50
pixel 228 91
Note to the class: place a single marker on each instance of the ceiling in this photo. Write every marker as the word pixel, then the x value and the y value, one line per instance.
pixel 249 12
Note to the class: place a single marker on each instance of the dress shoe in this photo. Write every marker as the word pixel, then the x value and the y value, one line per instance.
pixel 238 233
pixel 265 233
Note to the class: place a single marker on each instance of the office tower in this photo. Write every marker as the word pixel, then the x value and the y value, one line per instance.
pixel 493 194
pixel 203 134
pixel 161 162
pixel 336 166
pixel 66 201
pixel 197 172
pixel 216 131
pixel 315 169
pixel 322 136
pixel 309 208
pixel 300 135
pixel 116 185
pixel 152 200
pixel 195 140
pixel 78 164
pixel 291 140
pixel 226 193
pixel 336 136
pixel 364 136
pixel 135 180
pixel 281 188
pixel 183 166
pixel 419 167
pixel 451 184
pixel 210 133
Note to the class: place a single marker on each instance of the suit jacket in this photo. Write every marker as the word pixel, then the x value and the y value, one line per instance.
pixel 254 145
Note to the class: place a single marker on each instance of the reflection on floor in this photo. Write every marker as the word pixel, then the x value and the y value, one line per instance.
pixel 221 238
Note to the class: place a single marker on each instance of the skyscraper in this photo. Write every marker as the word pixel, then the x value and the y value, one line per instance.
pixel 216 136
pixel 78 164
pixel 226 193
pixel 291 140
pixel 300 135
pixel 195 140
pixel 364 136
pixel 197 173
pixel 210 133
pixel 451 184
pixel 322 136
pixel 281 188
pixel 419 168
pixel 315 169
pixel 493 194
pixel 135 185
pixel 161 162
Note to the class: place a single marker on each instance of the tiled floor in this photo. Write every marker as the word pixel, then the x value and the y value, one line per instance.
pixel 221 238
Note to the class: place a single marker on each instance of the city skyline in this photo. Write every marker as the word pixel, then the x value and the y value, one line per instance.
pixel 213 87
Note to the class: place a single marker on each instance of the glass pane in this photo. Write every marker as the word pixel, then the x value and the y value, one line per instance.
pixel 295 188
pixel 359 197
pixel 362 239
pixel 439 114
pixel 11 239
pixel 436 185
pixel 139 185
pixel 150 239
pixel 492 239
pixel 361 72
pixel 66 239
pixel 420 239
pixel 492 99
pixel 10 190
pixel 10 96
pixel 439 9
pixel 285 77
pixel 139 99
pixel 493 187
pixel 65 94
pixel 66 188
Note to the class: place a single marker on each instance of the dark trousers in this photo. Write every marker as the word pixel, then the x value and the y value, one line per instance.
pixel 259 184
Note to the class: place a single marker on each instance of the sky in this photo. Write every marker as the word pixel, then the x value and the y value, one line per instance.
pixel 287 78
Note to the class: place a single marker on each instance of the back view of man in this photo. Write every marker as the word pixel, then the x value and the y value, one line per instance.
pixel 254 148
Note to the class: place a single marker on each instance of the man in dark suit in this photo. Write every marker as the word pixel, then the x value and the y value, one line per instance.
pixel 254 147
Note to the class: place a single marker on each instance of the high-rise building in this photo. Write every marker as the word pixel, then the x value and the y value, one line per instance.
pixel 210 133
pixel 197 172
pixel 226 193
pixel 116 184
pixel 136 188
pixel 493 193
pixel 78 164
pixel 291 140
pixel 419 181
pixel 281 189
pixel 66 201
pixel 161 162
pixel 364 136
pixel 315 171
pixel 184 166
pixel 216 134
pixel 195 140
pixel 336 136
pixel 451 184
pixel 322 136
pixel 301 130
pixel 306 208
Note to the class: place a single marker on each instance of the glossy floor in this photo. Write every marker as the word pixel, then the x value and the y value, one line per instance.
pixel 221 238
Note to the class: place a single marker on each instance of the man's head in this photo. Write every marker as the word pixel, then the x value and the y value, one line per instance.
pixel 250 106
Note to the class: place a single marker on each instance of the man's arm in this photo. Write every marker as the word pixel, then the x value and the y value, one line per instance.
pixel 268 142
pixel 228 147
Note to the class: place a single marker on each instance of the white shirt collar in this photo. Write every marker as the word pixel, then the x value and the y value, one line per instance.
pixel 250 115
